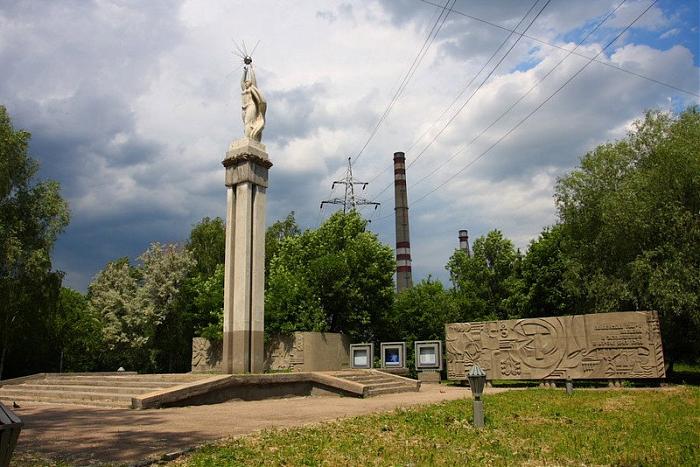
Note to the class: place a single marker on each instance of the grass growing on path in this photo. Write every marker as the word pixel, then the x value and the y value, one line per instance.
pixel 533 426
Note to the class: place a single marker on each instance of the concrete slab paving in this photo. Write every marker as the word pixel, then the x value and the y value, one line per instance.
pixel 89 435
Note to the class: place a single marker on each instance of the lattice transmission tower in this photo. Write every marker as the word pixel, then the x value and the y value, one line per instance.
pixel 350 201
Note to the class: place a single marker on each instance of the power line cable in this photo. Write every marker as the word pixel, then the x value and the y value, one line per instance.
pixel 449 122
pixel 505 135
pixel 461 93
pixel 439 22
pixel 481 84
pixel 432 34
pixel 460 150
pixel 541 41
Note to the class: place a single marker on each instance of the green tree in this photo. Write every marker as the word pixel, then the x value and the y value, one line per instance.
pixel 32 215
pixel 631 215
pixel 337 278
pixel 207 305
pixel 203 289
pixel 274 235
pixel 77 333
pixel 207 245
pixel 549 278
pixel 421 312
pixel 488 283
pixel 203 292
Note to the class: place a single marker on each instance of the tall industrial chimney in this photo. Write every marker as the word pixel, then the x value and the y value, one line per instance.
pixel 404 277
pixel 464 241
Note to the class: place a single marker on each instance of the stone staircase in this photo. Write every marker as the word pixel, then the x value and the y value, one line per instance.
pixel 95 389
pixel 377 382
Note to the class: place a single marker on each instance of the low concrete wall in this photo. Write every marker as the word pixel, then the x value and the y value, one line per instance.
pixel 298 352
pixel 325 351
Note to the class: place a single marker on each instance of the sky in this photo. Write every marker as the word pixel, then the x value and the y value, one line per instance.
pixel 132 106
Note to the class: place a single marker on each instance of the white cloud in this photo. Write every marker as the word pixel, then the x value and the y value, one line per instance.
pixel 670 33
pixel 133 106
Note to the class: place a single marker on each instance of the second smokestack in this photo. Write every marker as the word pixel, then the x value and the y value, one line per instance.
pixel 464 241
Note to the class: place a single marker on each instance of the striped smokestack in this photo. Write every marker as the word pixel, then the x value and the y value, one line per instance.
pixel 464 241
pixel 404 277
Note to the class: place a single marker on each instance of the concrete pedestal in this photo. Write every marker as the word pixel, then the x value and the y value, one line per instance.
pixel 429 377
pixel 247 167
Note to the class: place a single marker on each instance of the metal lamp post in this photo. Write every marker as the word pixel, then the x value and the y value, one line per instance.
pixel 477 381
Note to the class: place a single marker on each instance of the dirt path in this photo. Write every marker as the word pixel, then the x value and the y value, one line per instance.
pixel 85 435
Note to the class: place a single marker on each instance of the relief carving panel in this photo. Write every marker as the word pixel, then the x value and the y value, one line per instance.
pixel 285 353
pixel 206 356
pixel 595 346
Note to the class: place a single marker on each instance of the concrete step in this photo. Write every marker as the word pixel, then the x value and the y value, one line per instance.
pixel 104 383
pixel 79 388
pixel 367 375
pixel 377 383
pixel 391 390
pixel 389 384
pixel 52 400
pixel 369 379
pixel 60 395
pixel 350 373
pixel 176 378
pixel 112 390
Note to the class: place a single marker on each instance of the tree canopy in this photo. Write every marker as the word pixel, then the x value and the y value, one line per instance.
pixel 630 217
pixel 337 278
pixel 32 215
pixel 487 281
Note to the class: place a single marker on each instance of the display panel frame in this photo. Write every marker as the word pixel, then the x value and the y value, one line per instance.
pixel 424 364
pixel 396 349
pixel 368 350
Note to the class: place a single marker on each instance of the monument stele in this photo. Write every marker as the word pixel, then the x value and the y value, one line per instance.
pixel 247 166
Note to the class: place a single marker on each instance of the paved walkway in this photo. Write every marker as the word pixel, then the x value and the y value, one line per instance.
pixel 85 435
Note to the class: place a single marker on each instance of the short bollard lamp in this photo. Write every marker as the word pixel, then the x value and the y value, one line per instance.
pixel 477 381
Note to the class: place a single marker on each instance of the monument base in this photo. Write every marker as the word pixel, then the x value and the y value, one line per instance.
pixel 298 352
pixel 429 377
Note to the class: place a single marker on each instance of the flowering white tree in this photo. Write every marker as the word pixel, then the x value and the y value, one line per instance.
pixel 114 297
pixel 140 307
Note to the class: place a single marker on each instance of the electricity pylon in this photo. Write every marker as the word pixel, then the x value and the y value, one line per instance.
pixel 349 201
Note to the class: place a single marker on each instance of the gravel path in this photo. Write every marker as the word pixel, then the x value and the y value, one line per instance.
pixel 86 435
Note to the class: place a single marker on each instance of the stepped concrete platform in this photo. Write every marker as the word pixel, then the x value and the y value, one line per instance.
pixel 376 382
pixel 93 389
pixel 136 391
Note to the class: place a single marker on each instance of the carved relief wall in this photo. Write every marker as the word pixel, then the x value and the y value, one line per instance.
pixel 595 346
pixel 300 351
pixel 285 353
pixel 206 357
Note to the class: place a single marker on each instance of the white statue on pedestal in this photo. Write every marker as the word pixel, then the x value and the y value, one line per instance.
pixel 253 104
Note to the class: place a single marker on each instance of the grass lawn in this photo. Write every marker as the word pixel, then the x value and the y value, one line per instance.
pixel 531 426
